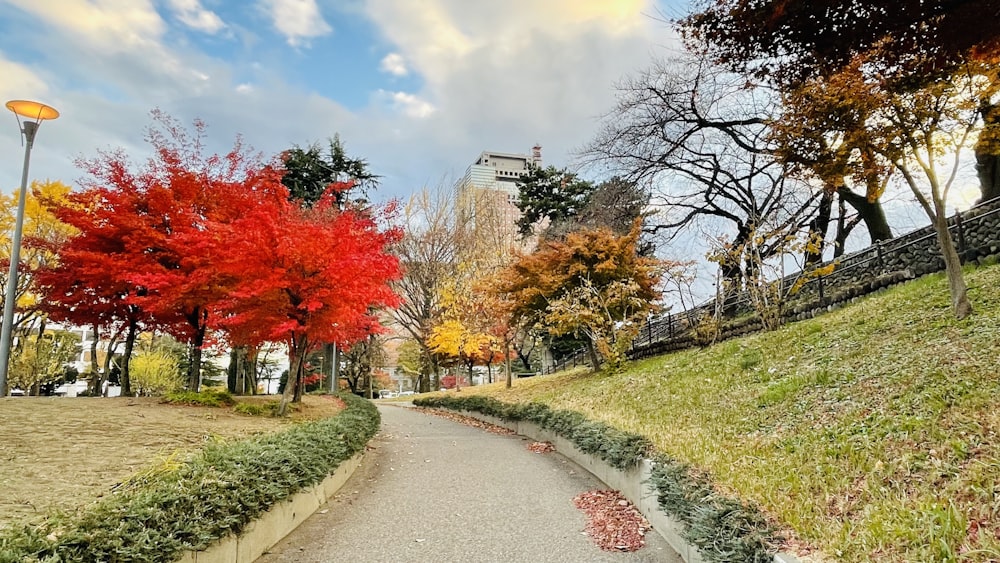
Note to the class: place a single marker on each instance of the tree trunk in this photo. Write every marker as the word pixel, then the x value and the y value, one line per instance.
pixel 988 153
pixel 424 380
pixel 239 374
pixel 133 331
pixel 250 371
pixel 197 320
pixel 98 389
pixel 232 372
pixel 733 278
pixel 844 228
pixel 299 376
pixel 595 360
pixel 960 303
pixel 296 357
pixel 817 230
pixel 506 363
pixel 871 213
pixel 94 385
pixel 524 350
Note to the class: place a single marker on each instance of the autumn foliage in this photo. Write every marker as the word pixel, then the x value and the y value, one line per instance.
pixel 197 245
pixel 592 283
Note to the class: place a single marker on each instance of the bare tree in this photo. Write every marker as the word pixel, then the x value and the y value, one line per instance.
pixel 429 253
pixel 699 137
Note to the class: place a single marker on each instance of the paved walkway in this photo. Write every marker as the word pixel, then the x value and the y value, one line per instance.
pixel 435 490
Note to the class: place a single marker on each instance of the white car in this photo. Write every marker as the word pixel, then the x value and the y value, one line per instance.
pixel 386 394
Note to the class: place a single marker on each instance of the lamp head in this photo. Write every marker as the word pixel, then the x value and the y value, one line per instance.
pixel 35 111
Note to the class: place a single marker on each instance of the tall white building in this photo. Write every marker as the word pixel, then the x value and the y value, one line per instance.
pixel 487 194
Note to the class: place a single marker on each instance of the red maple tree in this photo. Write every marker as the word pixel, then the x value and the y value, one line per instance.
pixel 307 276
pixel 187 243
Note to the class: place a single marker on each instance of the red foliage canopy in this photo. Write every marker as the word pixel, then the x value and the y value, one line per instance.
pixel 192 242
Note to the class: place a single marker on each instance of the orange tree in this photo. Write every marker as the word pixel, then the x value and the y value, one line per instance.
pixel 591 283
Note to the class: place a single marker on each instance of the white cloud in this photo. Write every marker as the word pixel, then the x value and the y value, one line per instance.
pixel 394 64
pixel 502 76
pixel 110 25
pixel 244 88
pixel 434 35
pixel 194 15
pixel 20 82
pixel 297 20
pixel 407 104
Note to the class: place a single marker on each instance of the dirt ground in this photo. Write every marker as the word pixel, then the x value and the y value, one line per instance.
pixel 66 452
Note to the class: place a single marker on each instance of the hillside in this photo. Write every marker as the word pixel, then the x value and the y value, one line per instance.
pixel 871 432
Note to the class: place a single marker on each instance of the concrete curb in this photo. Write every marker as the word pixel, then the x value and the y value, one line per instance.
pixel 272 526
pixel 631 483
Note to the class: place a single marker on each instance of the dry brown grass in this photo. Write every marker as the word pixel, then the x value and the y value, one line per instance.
pixel 64 452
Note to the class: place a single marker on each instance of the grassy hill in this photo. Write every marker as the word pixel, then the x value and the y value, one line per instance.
pixel 870 433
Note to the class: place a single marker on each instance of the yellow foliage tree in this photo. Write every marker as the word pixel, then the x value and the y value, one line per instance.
pixel 155 373
pixel 43 234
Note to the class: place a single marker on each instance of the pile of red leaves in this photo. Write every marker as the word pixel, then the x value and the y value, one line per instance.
pixel 467 420
pixel 541 447
pixel 612 521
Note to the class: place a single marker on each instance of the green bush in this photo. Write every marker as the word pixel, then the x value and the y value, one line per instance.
pixel 209 397
pixel 250 409
pixel 157 517
pixel 723 529
pixel 269 408
pixel 621 450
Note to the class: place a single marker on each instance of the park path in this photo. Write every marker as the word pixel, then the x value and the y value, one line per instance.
pixel 430 489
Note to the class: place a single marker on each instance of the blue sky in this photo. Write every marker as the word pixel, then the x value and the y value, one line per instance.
pixel 417 87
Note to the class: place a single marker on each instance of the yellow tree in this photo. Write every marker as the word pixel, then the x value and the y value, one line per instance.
pixel 462 334
pixel 42 360
pixel 43 236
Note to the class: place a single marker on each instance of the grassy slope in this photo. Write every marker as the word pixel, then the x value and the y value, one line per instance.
pixel 870 431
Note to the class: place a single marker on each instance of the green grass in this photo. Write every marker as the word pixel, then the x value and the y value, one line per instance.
pixel 869 434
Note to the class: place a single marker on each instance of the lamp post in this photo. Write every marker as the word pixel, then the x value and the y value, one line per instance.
pixel 33 113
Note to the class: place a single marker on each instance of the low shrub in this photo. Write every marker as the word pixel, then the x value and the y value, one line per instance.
pixel 268 408
pixel 187 507
pixel 723 529
pixel 210 397
pixel 621 450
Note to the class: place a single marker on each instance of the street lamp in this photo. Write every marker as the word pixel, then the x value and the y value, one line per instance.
pixel 33 113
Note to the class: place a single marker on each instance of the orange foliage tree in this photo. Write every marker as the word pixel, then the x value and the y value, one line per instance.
pixel 592 283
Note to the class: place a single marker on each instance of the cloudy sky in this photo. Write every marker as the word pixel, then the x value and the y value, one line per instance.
pixel 419 88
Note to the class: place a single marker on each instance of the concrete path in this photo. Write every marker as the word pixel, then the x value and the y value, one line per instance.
pixel 435 490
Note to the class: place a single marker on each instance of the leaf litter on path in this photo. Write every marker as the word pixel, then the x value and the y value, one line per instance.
pixel 612 521
pixel 541 447
pixel 467 420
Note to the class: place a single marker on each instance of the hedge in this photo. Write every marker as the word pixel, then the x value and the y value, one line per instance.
pixel 159 514
pixel 723 529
